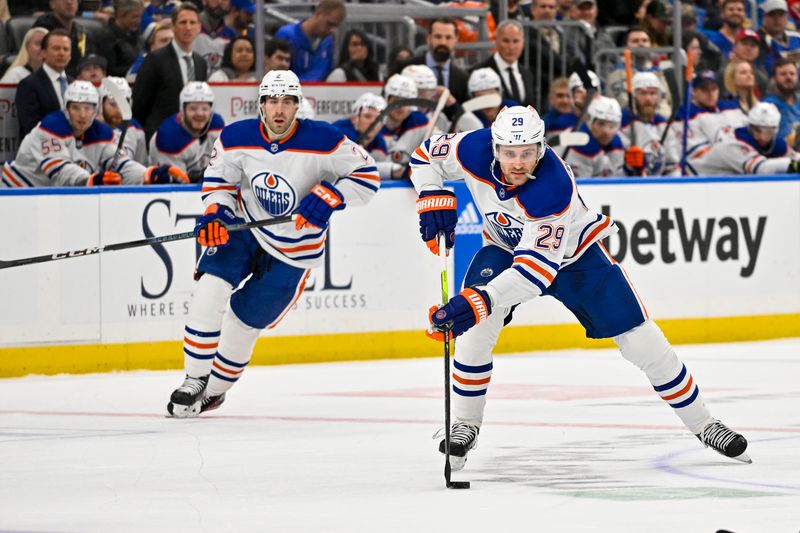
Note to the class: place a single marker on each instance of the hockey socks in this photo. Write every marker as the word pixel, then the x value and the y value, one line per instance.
pixel 236 344
pixel 203 325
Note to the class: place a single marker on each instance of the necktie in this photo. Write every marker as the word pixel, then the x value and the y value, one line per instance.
pixel 62 80
pixel 439 75
pixel 512 80
pixel 189 68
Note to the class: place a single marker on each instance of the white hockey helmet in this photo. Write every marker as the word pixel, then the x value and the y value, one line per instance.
pixel 280 83
pixel 81 92
pixel 516 126
pixel 196 91
pixel 646 80
pixel 369 101
pixel 423 76
pixel 605 108
pixel 764 115
pixel 399 85
pixel 575 82
pixel 305 110
pixel 483 79
pixel 122 83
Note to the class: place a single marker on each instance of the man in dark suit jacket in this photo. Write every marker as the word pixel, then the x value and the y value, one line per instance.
pixel 36 94
pixel 156 93
pixel 518 85
pixel 442 39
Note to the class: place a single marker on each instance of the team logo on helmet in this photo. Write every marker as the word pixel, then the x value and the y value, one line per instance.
pixel 274 193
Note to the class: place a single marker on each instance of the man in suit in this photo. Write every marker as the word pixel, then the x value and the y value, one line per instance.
pixel 442 40
pixel 516 80
pixel 164 72
pixel 42 92
pixel 62 16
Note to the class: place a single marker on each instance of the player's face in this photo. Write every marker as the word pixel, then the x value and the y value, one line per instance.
pixel 363 120
pixel 647 100
pixel 80 116
pixel 91 73
pixel 763 136
pixel 707 95
pixel 561 100
pixel 517 162
pixel 196 115
pixel 579 97
pixel 604 130
pixel 111 112
pixel 399 114
pixel 279 112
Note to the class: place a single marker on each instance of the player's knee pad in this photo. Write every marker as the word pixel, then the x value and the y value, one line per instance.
pixel 210 299
pixel 237 339
pixel 646 347
pixel 476 345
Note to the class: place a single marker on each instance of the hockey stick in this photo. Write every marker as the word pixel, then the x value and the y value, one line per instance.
pixel 631 104
pixel 474 104
pixel 125 110
pixel 586 81
pixel 135 244
pixel 433 118
pixel 446 333
pixel 402 102
pixel 686 106
pixel 569 138
pixel 675 96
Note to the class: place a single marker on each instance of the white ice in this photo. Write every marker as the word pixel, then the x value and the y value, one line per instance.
pixel 574 441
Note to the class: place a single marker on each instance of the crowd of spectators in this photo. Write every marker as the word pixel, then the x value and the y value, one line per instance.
pixel 161 46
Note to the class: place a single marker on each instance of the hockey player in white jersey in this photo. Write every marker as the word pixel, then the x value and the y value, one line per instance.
pixel 366 109
pixel 540 238
pixel 135 143
pixel 186 138
pixel 647 127
pixel 604 154
pixel 404 128
pixel 485 81
pixel 752 149
pixel 427 88
pixel 278 165
pixel 71 147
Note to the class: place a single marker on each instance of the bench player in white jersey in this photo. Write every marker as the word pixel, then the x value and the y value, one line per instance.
pixel 646 127
pixel 539 239
pixel 186 138
pixel 366 109
pixel 428 88
pixel 278 165
pixel 604 154
pixel 135 143
pixel 71 147
pixel 752 149
pixel 404 128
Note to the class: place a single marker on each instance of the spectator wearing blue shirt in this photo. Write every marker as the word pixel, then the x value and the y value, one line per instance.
pixel 776 40
pixel 312 40
pixel 733 17
pixel 157 11
pixel 784 96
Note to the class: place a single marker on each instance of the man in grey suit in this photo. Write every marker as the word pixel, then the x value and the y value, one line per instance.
pixel 156 93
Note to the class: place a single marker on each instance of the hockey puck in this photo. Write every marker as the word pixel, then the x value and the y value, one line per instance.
pixel 458 484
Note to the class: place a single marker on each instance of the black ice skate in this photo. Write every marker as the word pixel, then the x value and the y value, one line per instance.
pixel 725 441
pixel 463 438
pixel 186 400
pixel 209 403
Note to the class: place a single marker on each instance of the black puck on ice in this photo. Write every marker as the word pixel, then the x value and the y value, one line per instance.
pixel 458 484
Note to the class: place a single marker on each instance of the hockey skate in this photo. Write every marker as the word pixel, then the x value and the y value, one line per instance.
pixel 725 441
pixel 463 438
pixel 186 400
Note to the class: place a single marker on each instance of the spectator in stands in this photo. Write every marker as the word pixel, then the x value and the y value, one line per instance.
pixel 110 113
pixel 583 42
pixel 277 55
pixel 442 40
pixel 658 23
pixel 92 68
pixel 366 109
pixel 517 82
pixel 604 154
pixel 239 20
pixel 733 17
pixel 312 40
pixel 776 40
pixel 747 49
pixel 157 35
pixel 740 85
pixel 214 35
pixel 546 47
pixel 355 59
pixel 165 71
pixel 29 58
pixel 712 57
pixel 62 16
pixel 157 11
pixel 42 92
pixel 560 103
pixel 238 61
pixel 397 59
pixel 784 96
pixel 120 44
pixel 564 9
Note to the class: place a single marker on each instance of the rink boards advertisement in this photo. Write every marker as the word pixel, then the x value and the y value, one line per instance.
pixel 712 260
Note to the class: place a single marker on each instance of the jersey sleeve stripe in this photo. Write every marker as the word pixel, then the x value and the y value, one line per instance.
pixel 302 247
pixel 219 188
pixel 371 176
pixel 422 155
pixel 418 162
pixel 56 170
pixel 20 175
pixel 213 179
pixel 51 164
pixel 590 237
pixel 362 183
pixel 539 257
pixel 525 274
pixel 536 268
pixel 367 169
pixel 11 178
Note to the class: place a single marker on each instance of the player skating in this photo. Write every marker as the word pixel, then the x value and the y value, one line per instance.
pixel 539 238
pixel 280 165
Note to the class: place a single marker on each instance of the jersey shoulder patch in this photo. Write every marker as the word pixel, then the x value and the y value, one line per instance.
pixel 314 136
pixel 56 124
pixel 171 137
pixel 243 133
pixel 98 132
pixel 415 120
pixel 551 192
pixel 474 152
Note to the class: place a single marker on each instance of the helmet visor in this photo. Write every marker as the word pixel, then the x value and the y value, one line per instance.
pixel 527 153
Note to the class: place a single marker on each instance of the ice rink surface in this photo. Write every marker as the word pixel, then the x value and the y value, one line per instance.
pixel 574 441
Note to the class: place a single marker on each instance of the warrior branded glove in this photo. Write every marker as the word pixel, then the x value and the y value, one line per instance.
pixel 164 174
pixel 634 158
pixel 318 206
pixel 212 228
pixel 463 311
pixel 104 178
pixel 437 212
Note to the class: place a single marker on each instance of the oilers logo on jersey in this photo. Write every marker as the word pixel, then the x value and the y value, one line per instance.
pixel 505 227
pixel 274 193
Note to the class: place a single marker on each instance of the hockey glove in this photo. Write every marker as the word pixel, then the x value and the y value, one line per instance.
pixel 317 207
pixel 463 311
pixel 634 159
pixel 164 174
pixel 104 178
pixel 794 167
pixel 212 228
pixel 437 212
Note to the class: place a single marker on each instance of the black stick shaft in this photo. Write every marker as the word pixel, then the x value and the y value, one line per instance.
pixel 135 244
pixel 447 406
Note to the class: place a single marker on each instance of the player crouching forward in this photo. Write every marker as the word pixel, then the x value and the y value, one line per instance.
pixel 187 138
pixel 72 147
pixel 135 143
pixel 539 239
pixel 604 154
pixel 280 165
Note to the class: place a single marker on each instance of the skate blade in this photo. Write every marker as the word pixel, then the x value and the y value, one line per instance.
pixel 177 410
pixel 457 463
pixel 744 458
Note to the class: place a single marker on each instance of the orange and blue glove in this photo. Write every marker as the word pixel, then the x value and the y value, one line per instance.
pixel 463 311
pixel 317 207
pixel 212 228
pixel 104 178
pixel 165 174
pixel 437 213
pixel 634 160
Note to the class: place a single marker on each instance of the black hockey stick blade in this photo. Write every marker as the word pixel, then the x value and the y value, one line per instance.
pixel 583 74
pixel 675 96
pixel 135 244
pixel 403 102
